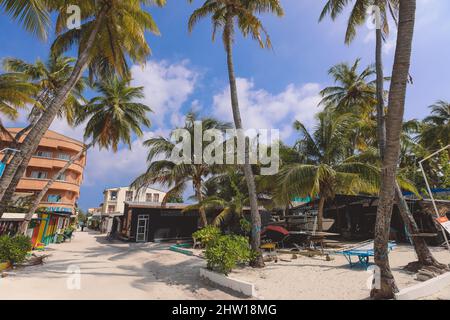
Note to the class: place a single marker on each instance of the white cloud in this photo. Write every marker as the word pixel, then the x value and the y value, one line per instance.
pixel 261 109
pixel 166 87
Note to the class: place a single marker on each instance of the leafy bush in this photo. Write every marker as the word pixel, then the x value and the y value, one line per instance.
pixel 14 249
pixel 227 251
pixel 206 235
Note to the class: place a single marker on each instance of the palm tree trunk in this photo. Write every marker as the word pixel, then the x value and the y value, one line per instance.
pixel 424 255
pixel 199 195
pixel 255 217
pixel 40 196
pixel 320 214
pixel 7 197
pixel 394 122
pixel 31 142
pixel 381 125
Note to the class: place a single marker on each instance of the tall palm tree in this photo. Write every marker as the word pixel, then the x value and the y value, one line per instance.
pixel 394 121
pixel 358 16
pixel 48 77
pixel 224 14
pixel 112 30
pixel 326 168
pixel 32 14
pixel 111 119
pixel 354 91
pixel 174 175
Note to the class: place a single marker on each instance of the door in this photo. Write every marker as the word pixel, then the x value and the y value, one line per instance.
pixel 142 228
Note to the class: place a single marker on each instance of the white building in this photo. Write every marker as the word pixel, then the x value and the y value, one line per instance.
pixel 114 202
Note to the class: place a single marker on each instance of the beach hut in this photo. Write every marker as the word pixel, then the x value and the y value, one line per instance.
pixel 154 222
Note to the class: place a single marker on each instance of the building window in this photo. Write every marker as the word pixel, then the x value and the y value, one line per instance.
pixel 148 197
pixel 61 177
pixel 129 196
pixel 113 195
pixel 44 154
pixel 38 174
pixel 64 156
pixel 156 197
pixel 54 198
pixel 111 209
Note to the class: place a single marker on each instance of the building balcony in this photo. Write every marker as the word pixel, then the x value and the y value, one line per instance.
pixel 51 163
pixel 32 184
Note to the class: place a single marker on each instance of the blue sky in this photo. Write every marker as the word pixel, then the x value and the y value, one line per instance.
pixel 188 72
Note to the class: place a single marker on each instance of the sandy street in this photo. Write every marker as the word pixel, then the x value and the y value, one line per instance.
pixel 119 270
pixel 110 271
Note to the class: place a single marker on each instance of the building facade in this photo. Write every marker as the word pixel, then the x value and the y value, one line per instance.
pixel 114 202
pixel 60 202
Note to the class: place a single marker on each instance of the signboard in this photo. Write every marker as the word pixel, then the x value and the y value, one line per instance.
pixel 445 223
pixel 2 168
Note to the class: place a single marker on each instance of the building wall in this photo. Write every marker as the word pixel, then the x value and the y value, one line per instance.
pixel 118 203
pixel 52 154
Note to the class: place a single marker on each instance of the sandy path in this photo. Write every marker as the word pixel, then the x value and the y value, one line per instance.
pixel 111 271
pixel 315 278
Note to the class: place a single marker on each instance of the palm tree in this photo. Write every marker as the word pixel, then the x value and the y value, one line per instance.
pixel 174 175
pixel 47 77
pixel 436 130
pixel 354 91
pixel 224 13
pixel 32 14
pixel 326 169
pixel 15 92
pixel 359 16
pixel 111 32
pixel 111 119
pixel 394 121
pixel 223 193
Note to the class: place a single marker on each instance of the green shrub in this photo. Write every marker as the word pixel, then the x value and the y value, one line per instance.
pixel 14 249
pixel 206 235
pixel 227 251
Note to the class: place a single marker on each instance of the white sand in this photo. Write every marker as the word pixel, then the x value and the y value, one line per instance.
pixel 111 271
pixel 149 271
pixel 315 278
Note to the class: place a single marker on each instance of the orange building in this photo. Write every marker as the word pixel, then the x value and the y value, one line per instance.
pixel 60 201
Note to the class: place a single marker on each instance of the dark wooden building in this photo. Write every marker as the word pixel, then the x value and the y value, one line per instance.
pixel 354 217
pixel 145 222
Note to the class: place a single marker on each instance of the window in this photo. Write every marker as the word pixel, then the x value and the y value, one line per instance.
pixel 64 156
pixel 61 177
pixel 38 174
pixel 113 195
pixel 54 198
pixel 44 154
pixel 129 196
pixel 111 208
pixel 148 197
pixel 156 197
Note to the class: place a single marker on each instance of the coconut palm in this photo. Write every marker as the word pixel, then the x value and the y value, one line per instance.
pixel 223 193
pixel 48 77
pixel 358 16
pixel 176 175
pixel 112 30
pixel 436 129
pixel 111 118
pixel 354 91
pixel 15 93
pixel 224 14
pixel 326 168
pixel 32 14
pixel 394 121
